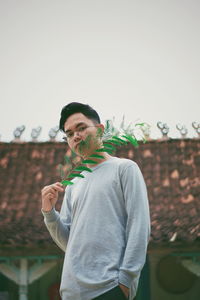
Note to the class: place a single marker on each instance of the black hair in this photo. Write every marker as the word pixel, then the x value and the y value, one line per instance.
pixel 76 107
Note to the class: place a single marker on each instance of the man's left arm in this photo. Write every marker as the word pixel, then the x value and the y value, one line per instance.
pixel 137 226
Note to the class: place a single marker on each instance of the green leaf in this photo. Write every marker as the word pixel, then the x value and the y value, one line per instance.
pixel 66 182
pixel 97 156
pixel 119 139
pixel 82 168
pixel 144 140
pixel 140 124
pixel 132 140
pixel 88 161
pixel 104 150
pixel 75 175
pixel 67 159
pixel 73 155
pixel 109 146
pixel 99 132
pixel 114 142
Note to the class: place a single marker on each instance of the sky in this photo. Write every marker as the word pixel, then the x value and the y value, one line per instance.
pixel 139 59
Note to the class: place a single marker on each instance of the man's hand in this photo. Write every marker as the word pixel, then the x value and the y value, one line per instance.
pixel 124 289
pixel 50 195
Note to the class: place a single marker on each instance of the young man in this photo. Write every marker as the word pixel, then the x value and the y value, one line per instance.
pixel 104 223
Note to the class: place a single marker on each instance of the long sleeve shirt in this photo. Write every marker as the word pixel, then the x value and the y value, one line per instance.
pixel 104 229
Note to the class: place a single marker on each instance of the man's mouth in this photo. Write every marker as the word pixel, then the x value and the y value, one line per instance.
pixel 80 144
pixel 77 145
pixel 83 144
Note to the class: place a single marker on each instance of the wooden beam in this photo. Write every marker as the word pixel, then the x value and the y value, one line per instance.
pixel 38 271
pixel 23 276
pixel 10 271
pixel 23 279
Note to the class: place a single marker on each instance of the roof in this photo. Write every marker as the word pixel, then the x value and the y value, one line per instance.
pixel 171 170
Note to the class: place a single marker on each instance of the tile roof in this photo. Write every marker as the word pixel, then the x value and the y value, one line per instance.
pixel 172 173
pixel 171 170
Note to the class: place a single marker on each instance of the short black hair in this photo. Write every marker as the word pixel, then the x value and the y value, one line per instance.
pixel 76 107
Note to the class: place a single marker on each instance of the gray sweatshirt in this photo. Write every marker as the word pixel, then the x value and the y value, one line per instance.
pixel 104 229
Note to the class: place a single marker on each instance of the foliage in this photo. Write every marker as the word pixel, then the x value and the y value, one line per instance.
pixel 111 138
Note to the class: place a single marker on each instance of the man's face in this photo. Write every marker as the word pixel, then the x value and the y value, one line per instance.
pixel 83 134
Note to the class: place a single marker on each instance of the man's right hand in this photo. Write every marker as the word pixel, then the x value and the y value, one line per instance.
pixel 50 195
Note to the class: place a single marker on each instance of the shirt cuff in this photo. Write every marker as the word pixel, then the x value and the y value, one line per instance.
pixel 50 216
pixel 125 278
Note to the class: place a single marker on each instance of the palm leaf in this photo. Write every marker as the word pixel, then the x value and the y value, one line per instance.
pixel 75 175
pixel 109 146
pixel 82 168
pixel 66 182
pixel 88 161
pixel 144 140
pixel 104 150
pixel 114 142
pixel 96 156
pixel 67 159
pixel 140 124
pixel 123 142
pixel 132 140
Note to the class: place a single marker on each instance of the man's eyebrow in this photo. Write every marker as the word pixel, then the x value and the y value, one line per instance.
pixel 77 125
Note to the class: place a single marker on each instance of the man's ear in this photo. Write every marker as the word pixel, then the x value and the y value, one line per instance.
pixel 100 130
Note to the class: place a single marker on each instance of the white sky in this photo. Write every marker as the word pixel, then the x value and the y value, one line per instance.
pixel 137 58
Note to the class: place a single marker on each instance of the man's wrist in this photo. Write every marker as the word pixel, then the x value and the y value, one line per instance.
pixel 124 289
pixel 46 210
pixel 50 216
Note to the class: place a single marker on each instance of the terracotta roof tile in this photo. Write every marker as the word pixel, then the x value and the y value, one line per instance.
pixel 171 169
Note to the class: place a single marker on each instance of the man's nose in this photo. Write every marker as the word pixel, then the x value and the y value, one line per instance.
pixel 77 136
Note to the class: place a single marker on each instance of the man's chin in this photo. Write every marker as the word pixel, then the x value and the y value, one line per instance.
pixel 78 149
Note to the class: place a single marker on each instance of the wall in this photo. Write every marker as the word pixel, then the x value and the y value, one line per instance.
pixel 158 293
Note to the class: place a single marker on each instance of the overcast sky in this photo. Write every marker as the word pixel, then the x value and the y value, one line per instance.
pixel 134 58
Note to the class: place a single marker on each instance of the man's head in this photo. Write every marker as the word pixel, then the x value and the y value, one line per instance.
pixel 82 126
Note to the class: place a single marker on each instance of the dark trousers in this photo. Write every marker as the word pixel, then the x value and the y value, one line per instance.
pixel 114 294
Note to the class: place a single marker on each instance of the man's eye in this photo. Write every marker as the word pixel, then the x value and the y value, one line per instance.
pixel 82 128
pixel 69 134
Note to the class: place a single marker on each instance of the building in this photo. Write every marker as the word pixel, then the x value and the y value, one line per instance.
pixel 30 262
